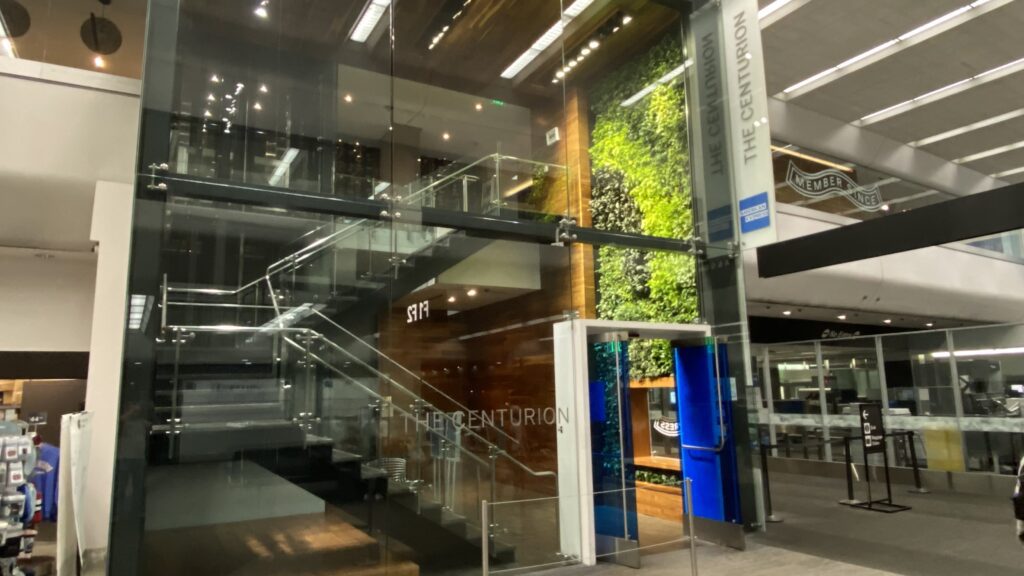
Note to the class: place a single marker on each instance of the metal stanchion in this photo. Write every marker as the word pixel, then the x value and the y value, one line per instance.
pixel 769 515
pixel 848 461
pixel 693 528
pixel 918 489
pixel 485 539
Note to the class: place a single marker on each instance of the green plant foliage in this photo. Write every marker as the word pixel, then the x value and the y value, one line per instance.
pixel 659 478
pixel 640 160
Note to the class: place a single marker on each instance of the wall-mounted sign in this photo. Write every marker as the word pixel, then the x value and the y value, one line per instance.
pixel 551 136
pixel 833 182
pixel 418 311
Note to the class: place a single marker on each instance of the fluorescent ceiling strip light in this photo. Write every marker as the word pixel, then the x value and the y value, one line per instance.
pixel 6 44
pixel 984 352
pixel 815 159
pixel 896 201
pixel 943 92
pixel 284 166
pixel 968 128
pixel 992 152
pixel 675 73
pixel 369 19
pixel 1010 172
pixel 886 49
pixel 778 10
pixel 546 39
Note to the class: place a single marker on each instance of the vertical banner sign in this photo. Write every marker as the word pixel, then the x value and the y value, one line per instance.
pixel 708 124
pixel 749 136
pixel 871 426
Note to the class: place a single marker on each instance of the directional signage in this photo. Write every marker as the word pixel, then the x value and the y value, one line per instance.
pixel 871 426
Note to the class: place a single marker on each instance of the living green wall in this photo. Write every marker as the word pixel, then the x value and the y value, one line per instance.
pixel 639 160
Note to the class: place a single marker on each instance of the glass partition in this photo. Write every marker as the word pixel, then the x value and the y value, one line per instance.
pixel 355 225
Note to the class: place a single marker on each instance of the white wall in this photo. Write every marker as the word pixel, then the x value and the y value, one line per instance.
pixel 45 302
pixel 111 230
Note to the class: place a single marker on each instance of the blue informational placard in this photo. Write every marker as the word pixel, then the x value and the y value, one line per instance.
pixel 754 214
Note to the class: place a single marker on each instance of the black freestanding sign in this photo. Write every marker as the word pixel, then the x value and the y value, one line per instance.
pixel 871 426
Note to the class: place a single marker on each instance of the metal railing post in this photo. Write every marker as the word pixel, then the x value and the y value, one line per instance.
pixel 918 489
pixel 688 484
pixel 485 537
pixel 767 485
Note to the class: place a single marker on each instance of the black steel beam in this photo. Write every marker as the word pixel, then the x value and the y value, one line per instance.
pixel 493 226
pixel 973 216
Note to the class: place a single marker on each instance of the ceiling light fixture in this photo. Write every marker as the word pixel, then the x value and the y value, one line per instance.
pixel 263 88
pixel 946 91
pixel 215 79
pixel 283 166
pixel 841 317
pixel 1009 172
pixel 446 136
pixel 887 321
pixel 668 77
pixel 471 292
pixel 999 119
pixel 990 152
pixel 368 20
pixel 99 62
pixel 888 48
pixel 546 39
pixel 815 159
pixel 772 8
pixel 348 98
pixel 261 9
pixel 478 106
pixel 982 352
pixel 257 106
pixel 451 298
pixel 787 312
pixel 929 324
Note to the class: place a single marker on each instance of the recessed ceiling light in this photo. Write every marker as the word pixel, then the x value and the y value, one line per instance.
pixel 626 19
pixel 929 324
pixel 841 317
pixel 372 13
pixel 593 44
pixel 263 88
pixel 478 106
pixel 771 8
pixel 261 10
pixel 887 321
pixel 1009 172
pixel 787 312
pixel 215 79
pixel 348 98
pixel 99 62
pixel 471 292
pixel 451 298
pixel 207 114
pixel 446 136
pixel 990 152
pixel 257 106
pixel 884 208
pixel 211 97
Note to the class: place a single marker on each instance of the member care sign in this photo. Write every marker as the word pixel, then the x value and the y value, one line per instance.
pixel 832 182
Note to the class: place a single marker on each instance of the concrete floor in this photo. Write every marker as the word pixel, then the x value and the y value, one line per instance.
pixel 757 560
pixel 944 533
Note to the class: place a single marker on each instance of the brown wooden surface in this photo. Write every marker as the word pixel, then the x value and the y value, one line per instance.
pixel 641 423
pixel 663 382
pixel 657 462
pixel 659 501
pixel 309 545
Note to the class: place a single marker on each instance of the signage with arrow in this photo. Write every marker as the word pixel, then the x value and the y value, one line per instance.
pixel 871 426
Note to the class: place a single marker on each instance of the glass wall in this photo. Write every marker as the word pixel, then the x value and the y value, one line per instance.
pixel 965 414
pixel 355 225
